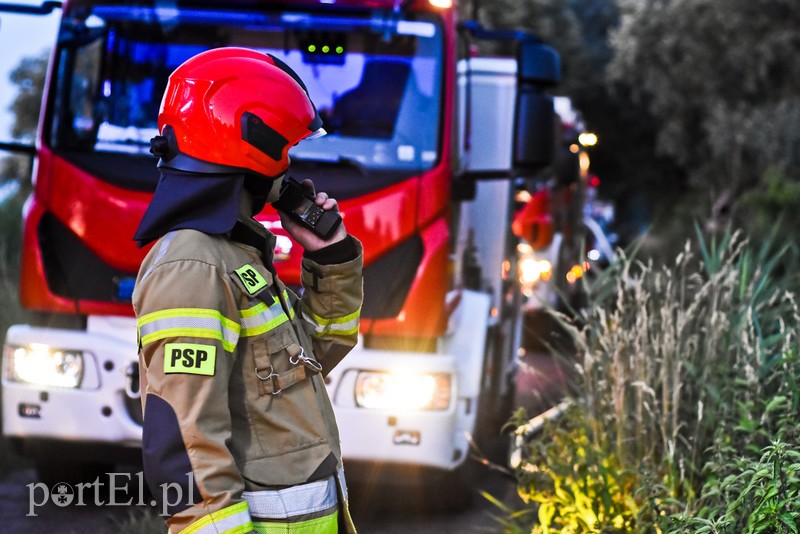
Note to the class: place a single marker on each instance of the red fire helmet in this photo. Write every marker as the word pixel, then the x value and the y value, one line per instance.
pixel 235 108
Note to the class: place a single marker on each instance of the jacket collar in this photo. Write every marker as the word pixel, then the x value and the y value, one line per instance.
pixel 249 231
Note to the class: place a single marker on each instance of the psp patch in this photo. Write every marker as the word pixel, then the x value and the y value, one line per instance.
pixel 252 279
pixel 190 358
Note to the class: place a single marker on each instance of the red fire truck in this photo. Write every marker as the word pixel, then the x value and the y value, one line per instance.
pixel 425 149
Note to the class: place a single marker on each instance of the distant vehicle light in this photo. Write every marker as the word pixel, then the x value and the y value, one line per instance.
pixel 532 270
pixel 587 139
pixel 283 248
pixel 523 196
pixel 44 366
pixel 441 4
pixel 576 272
pixel 583 161
pixel 406 391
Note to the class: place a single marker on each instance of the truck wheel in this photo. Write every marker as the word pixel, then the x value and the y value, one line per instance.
pixel 496 401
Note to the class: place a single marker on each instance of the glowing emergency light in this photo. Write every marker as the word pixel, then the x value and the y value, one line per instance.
pixel 407 391
pixel 324 47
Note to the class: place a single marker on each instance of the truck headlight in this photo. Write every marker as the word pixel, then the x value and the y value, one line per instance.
pixel 395 391
pixel 44 366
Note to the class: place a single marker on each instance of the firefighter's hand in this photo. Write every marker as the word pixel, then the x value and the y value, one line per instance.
pixel 308 239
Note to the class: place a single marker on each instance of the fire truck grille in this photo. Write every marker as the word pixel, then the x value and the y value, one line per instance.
pixel 387 281
pixel 71 269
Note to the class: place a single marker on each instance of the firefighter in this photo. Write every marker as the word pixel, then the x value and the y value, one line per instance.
pixel 239 433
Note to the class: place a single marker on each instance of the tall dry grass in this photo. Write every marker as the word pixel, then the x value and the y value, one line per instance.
pixel 673 361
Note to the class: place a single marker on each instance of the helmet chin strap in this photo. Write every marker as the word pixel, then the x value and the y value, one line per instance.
pixel 262 190
pixel 275 189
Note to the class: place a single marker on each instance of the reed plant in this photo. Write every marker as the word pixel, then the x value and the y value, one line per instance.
pixel 685 385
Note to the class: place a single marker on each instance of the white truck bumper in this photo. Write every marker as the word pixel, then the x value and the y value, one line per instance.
pixel 395 431
pixel 98 409
pixel 434 438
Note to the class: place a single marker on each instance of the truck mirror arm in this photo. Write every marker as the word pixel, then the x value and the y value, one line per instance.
pixel 45 9
pixel 18 147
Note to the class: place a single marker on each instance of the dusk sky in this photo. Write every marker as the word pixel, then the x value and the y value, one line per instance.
pixel 20 36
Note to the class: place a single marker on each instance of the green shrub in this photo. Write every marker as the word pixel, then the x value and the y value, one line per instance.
pixel 11 311
pixel 756 495
pixel 10 242
pixel 685 385
pixel 575 484
pixel 12 169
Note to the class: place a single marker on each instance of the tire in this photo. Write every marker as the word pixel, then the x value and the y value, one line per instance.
pixel 496 402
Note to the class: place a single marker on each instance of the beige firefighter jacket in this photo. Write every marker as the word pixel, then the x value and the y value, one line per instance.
pixel 233 406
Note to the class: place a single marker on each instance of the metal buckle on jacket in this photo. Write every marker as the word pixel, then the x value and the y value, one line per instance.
pixel 310 363
pixel 273 376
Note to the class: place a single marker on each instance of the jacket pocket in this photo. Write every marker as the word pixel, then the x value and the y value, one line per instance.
pixel 285 418
pixel 274 360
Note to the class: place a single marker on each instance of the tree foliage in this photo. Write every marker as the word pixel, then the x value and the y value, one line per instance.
pixel 696 102
pixel 576 28
pixel 720 79
pixel 29 77
pixel 630 172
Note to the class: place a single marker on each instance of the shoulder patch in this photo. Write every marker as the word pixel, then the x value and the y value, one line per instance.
pixel 251 279
pixel 190 358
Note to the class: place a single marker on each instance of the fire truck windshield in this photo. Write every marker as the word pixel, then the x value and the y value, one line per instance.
pixel 376 79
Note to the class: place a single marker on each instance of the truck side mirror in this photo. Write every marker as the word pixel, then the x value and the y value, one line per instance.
pixel 538 67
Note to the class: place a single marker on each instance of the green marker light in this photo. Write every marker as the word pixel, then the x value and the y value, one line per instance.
pixel 326 49
pixel 312 48
pixel 339 49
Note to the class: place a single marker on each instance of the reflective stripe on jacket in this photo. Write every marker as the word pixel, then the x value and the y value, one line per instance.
pixel 234 405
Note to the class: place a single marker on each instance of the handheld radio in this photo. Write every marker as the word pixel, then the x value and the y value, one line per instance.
pixel 295 200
